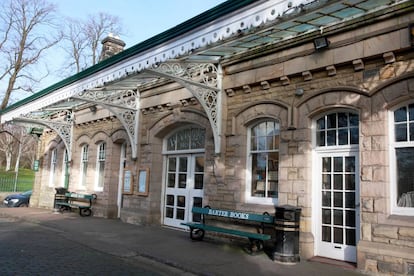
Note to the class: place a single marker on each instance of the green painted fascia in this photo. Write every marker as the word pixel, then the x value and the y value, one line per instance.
pixel 191 24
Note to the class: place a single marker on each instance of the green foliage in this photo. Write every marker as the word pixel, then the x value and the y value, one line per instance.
pixel 24 182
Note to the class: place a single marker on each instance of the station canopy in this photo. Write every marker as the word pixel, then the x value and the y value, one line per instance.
pixel 190 54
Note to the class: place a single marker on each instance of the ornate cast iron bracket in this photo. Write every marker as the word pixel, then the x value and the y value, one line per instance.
pixel 60 122
pixel 201 79
pixel 124 104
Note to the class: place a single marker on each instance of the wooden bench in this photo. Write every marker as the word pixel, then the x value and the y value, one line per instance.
pixel 83 202
pixel 256 239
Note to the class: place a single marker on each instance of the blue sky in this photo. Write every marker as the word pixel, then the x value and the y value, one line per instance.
pixel 141 19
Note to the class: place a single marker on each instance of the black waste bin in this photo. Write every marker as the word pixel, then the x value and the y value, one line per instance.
pixel 287 219
pixel 60 196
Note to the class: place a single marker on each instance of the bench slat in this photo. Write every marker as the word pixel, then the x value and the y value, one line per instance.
pixel 252 235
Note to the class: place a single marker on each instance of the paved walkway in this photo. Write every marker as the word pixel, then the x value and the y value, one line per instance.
pixel 166 246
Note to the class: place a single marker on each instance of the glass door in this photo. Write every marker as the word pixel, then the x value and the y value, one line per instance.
pixel 184 188
pixel 338 230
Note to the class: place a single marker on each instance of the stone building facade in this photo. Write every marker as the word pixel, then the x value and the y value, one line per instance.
pixel 328 130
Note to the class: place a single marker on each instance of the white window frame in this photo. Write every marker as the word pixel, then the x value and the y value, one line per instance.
pixel 248 196
pixel 395 209
pixel 53 164
pixel 100 159
pixel 83 170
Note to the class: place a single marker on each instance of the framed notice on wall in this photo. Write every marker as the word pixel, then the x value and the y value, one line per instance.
pixel 143 182
pixel 128 182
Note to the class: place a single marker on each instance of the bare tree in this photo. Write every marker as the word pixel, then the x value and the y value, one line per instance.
pixel 17 144
pixel 84 39
pixel 26 32
pixel 77 42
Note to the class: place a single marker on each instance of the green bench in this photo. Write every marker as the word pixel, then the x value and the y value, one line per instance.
pixel 256 239
pixel 83 202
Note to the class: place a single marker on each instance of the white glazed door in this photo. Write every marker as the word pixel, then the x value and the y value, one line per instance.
pixel 184 188
pixel 338 214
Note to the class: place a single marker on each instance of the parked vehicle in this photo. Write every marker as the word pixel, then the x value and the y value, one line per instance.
pixel 18 200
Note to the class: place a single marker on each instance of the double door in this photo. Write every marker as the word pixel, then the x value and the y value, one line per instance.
pixel 184 186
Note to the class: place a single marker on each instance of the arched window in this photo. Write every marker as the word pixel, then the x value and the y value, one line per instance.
pixel 100 167
pixel 262 187
pixel 337 129
pixel 402 166
pixel 83 167
pixel 192 138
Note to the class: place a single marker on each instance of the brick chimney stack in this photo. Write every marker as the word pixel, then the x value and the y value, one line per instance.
pixel 111 45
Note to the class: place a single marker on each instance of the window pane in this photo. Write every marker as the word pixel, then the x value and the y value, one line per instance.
pixel 170 200
pixel 400 115
pixel 326 199
pixel 338 200
pixel 338 217
pixel 183 164
pixel 320 124
pixel 197 202
pixel 182 180
pixel 197 138
pixel 331 120
pixel 350 199
pixel 326 181
pixel 353 120
pixel 338 235
pixel 349 182
pixel 320 136
pixel 261 143
pixel 350 237
pixel 405 176
pixel 180 214
pixel 253 143
pixel 354 136
pixel 350 218
pixel 338 182
pixel 342 136
pixel 171 180
pixel 411 131
pixel 331 138
pixel 183 139
pixel 172 164
pixel 181 201
pixel 326 164
pixel 338 161
pixel 198 181
pixel 199 164
pixel 326 233
pixel 411 112
pixel 326 216
pixel 342 119
pixel 400 132
pixel 350 164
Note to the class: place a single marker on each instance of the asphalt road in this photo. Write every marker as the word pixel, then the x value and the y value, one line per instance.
pixel 32 249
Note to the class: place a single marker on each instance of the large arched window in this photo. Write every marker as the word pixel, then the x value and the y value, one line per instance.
pixel 263 161
pixel 402 156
